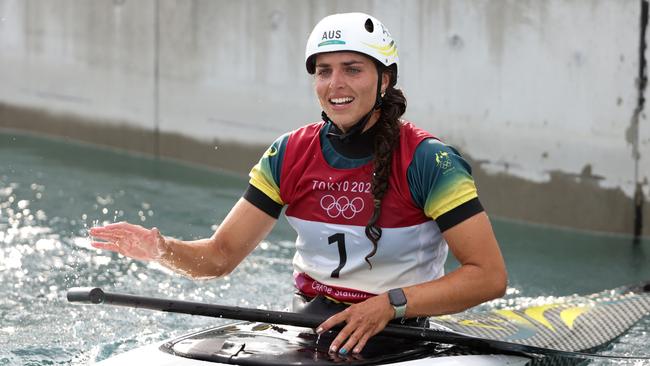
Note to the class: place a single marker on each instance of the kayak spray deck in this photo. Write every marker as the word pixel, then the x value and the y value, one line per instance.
pixel 266 344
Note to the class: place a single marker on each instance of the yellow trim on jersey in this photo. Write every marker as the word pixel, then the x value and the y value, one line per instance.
pixel 460 193
pixel 260 181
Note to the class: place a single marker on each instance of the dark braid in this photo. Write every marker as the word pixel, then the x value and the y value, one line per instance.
pixel 393 106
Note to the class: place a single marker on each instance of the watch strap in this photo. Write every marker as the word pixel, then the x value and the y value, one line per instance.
pixel 400 311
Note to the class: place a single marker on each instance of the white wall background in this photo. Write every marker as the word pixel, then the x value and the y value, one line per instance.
pixel 525 88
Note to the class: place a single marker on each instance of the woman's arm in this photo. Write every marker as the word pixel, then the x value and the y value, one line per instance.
pixel 480 277
pixel 237 236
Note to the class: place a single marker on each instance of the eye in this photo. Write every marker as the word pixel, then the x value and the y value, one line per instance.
pixel 323 72
pixel 353 70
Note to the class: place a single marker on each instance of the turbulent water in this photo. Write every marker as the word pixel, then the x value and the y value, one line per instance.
pixel 51 192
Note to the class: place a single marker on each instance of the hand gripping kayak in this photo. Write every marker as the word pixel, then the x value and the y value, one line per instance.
pixel 96 295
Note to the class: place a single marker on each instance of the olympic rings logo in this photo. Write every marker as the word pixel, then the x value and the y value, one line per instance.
pixel 341 206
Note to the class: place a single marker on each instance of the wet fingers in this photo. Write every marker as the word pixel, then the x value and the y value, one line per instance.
pixel 351 343
pixel 361 343
pixel 105 246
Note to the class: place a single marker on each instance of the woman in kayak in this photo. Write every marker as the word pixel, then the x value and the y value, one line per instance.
pixel 376 202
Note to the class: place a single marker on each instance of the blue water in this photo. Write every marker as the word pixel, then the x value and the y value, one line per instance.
pixel 52 191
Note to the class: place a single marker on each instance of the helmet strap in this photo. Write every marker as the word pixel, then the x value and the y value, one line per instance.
pixel 357 128
pixel 379 98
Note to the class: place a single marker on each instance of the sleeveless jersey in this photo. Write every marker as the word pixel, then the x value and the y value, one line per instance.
pixel 329 209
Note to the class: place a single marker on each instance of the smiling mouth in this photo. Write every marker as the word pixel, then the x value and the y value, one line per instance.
pixel 341 101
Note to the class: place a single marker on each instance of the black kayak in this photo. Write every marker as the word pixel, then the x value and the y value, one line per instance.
pixel 562 332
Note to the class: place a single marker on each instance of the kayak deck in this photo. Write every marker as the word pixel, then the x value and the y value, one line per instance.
pixel 266 344
pixel 151 355
pixel 257 344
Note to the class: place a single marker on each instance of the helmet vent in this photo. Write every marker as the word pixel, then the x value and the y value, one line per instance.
pixel 369 26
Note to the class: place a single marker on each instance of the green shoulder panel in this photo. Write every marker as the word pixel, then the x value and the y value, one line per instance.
pixel 439 178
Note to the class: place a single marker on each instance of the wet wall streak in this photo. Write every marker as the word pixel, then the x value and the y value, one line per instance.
pixel 641 84
pixel 156 81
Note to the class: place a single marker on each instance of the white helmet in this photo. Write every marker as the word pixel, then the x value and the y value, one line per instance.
pixel 356 32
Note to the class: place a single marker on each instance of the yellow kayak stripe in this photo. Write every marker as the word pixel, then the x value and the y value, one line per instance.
pixel 511 315
pixel 537 313
pixel 474 323
pixel 569 316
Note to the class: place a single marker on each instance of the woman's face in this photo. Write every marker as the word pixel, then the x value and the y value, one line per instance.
pixel 346 86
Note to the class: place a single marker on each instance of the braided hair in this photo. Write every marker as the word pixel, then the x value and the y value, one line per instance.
pixel 393 106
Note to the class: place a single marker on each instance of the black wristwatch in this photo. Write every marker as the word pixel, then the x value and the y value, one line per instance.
pixel 398 301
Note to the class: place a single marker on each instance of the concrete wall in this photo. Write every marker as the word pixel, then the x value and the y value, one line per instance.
pixel 539 95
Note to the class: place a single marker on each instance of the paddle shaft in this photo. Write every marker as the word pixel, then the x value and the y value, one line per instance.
pixel 98 296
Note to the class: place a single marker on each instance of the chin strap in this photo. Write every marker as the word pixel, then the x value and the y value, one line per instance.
pixel 358 127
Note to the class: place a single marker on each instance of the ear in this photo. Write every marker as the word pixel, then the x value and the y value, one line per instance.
pixel 385 79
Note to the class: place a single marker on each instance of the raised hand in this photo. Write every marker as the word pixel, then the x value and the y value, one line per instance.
pixel 130 240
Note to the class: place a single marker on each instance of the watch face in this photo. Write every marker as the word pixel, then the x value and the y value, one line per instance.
pixel 397 297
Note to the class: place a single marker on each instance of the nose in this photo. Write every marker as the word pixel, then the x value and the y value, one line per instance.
pixel 337 80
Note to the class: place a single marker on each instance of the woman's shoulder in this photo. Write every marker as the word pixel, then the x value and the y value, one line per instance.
pixel 413 137
pixel 410 130
pixel 306 134
pixel 311 129
pixel 308 129
pixel 426 140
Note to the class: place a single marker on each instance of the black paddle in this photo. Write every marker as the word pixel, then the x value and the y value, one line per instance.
pixel 98 296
